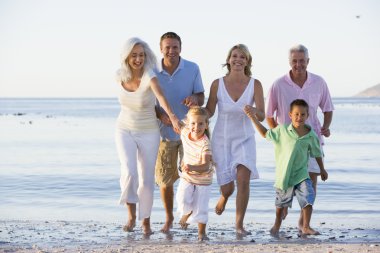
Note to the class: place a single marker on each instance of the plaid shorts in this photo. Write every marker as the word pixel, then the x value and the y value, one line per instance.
pixel 304 192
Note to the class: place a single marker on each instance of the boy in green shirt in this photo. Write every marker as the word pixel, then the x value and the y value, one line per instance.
pixel 293 145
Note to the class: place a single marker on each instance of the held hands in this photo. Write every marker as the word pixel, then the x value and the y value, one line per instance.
pixel 165 119
pixel 325 132
pixel 250 111
pixel 171 120
pixel 176 124
pixel 190 101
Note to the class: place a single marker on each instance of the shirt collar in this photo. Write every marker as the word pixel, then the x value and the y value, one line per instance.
pixel 291 129
pixel 180 66
pixel 290 81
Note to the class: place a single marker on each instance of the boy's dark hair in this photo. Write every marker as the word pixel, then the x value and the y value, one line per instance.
pixel 299 102
pixel 171 35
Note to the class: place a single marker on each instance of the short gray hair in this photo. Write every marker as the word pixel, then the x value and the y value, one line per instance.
pixel 124 74
pixel 299 48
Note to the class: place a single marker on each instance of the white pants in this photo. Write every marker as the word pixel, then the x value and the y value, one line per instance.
pixel 137 153
pixel 193 198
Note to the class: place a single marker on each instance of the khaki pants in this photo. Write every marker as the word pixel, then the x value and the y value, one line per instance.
pixel 167 162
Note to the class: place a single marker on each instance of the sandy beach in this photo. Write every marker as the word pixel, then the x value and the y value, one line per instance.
pixel 219 248
pixel 90 236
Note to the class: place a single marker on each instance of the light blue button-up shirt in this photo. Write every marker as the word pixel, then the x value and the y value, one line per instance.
pixel 185 81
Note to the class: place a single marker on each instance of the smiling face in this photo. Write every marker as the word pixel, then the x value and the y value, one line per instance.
pixel 298 115
pixel 298 62
pixel 136 58
pixel 197 125
pixel 170 49
pixel 238 60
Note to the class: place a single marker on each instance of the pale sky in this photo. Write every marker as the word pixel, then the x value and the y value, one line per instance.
pixel 71 48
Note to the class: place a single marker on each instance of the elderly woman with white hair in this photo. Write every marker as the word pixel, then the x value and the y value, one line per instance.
pixel 137 131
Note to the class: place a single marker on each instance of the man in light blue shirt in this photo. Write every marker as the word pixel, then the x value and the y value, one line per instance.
pixel 181 83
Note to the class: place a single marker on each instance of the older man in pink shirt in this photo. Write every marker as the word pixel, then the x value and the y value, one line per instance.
pixel 298 83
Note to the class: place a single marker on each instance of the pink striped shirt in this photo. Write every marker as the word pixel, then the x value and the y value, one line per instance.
pixel 193 151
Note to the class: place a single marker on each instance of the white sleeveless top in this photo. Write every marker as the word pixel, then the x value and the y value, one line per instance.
pixel 233 137
pixel 137 107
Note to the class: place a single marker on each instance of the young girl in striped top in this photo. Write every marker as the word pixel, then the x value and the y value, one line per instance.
pixel 196 171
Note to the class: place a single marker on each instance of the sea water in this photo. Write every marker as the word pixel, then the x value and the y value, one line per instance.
pixel 58 161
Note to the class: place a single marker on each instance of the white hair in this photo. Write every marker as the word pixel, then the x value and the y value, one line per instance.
pixel 299 48
pixel 124 74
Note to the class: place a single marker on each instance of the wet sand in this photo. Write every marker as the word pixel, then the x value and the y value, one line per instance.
pixel 91 236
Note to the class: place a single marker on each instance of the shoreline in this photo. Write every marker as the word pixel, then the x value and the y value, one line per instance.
pixel 196 248
pixel 72 236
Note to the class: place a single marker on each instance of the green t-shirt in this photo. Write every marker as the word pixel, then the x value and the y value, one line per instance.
pixel 292 154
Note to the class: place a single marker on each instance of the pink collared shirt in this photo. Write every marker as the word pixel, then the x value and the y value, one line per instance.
pixel 283 91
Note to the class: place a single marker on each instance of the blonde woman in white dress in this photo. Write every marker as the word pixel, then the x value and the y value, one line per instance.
pixel 233 138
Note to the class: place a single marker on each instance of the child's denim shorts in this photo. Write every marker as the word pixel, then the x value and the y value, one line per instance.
pixel 304 192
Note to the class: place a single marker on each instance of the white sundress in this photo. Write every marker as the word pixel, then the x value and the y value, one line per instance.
pixel 233 138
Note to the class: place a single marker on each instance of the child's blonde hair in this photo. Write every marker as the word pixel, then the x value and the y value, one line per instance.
pixel 197 110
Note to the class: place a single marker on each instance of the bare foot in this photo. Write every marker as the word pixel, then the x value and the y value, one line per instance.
pixel 203 237
pixel 274 232
pixel 183 220
pixel 284 213
pixel 242 232
pixel 167 226
pixel 221 205
pixel 130 226
pixel 309 231
pixel 146 227
pixel 183 224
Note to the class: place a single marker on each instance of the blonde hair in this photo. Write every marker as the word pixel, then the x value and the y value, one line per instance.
pixel 201 111
pixel 244 49
pixel 124 74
